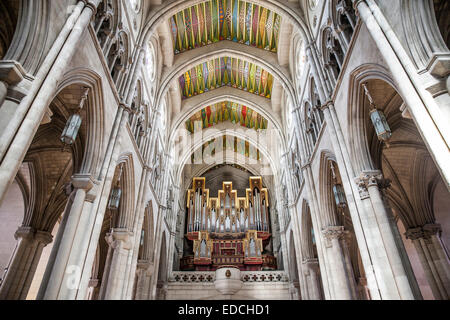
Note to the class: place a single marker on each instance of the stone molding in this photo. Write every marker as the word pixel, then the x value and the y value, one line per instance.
pixel 334 232
pixel 31 234
pixel 424 232
pixel 11 72
pixel 83 181
pixel 119 235
pixel 311 264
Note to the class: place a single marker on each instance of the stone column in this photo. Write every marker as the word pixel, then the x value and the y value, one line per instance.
pixel 341 282
pixel 356 214
pixel 121 241
pixel 371 181
pixel 144 273
pixel 345 242
pixel 14 146
pixel 313 202
pixel 20 273
pixel 433 258
pixel 90 233
pixel 59 268
pixel 312 267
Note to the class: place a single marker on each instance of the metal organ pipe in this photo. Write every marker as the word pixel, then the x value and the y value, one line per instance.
pixel 258 210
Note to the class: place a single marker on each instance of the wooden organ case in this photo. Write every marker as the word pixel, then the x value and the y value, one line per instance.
pixel 228 230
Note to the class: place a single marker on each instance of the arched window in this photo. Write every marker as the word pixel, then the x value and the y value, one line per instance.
pixel 345 19
pixel 118 58
pixel 332 54
pixel 104 22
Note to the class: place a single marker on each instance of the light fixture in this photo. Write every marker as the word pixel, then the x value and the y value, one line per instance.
pixel 378 119
pixel 116 193
pixel 338 191
pixel 73 124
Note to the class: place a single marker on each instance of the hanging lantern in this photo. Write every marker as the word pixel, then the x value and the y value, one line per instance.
pixel 338 191
pixel 73 124
pixel 378 119
pixel 114 199
pixel 70 131
pixel 381 126
pixel 116 193
pixel 339 196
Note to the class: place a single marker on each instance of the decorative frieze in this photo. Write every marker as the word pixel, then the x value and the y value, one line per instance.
pixel 333 232
pixel 369 179
pixel 424 232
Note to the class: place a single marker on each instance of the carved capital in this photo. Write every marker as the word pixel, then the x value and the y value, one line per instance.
pixel 31 234
pixel 362 189
pixel 373 178
pixel 414 233
pixel 82 181
pixel 120 237
pixel 311 264
pixel 432 229
pixel 11 72
pixel 424 232
pixel 333 232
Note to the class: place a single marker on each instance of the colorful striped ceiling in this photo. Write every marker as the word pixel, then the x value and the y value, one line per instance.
pixel 226 111
pixel 231 143
pixel 216 20
pixel 226 72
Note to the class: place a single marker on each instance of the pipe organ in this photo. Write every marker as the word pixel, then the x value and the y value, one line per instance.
pixel 228 230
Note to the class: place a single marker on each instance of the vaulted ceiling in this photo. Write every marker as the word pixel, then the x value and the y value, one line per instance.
pixel 226 71
pixel 226 111
pixel 227 143
pixel 216 20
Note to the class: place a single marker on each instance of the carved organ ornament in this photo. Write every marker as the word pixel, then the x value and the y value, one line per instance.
pixel 228 230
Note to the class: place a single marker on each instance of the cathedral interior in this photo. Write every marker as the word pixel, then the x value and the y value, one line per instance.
pixel 224 149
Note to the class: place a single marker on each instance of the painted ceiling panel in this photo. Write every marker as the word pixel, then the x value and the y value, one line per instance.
pixel 224 143
pixel 215 20
pixel 226 111
pixel 226 72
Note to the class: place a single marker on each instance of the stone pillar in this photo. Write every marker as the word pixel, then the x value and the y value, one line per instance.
pixel 17 138
pixel 341 283
pixel 144 273
pixel 20 273
pixel 90 233
pixel 313 202
pixel 312 270
pixel 371 180
pixel 53 280
pixel 433 258
pixel 356 214
pixel 345 243
pixel 120 241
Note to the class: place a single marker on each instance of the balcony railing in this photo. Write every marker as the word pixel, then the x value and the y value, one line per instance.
pixel 246 276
